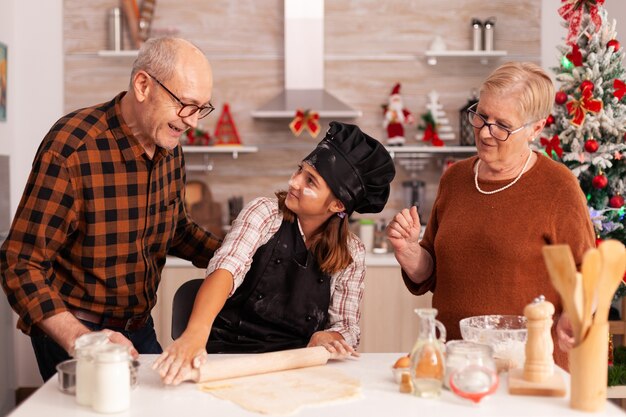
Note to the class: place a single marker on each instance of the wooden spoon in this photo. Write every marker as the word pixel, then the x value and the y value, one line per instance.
pixel 613 256
pixel 591 269
pixel 562 272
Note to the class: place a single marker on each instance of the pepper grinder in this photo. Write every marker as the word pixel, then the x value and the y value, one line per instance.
pixel 538 376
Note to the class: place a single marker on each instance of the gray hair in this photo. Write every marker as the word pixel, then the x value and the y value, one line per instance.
pixel 531 84
pixel 157 57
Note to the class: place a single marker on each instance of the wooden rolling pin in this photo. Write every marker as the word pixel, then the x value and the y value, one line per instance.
pixel 261 363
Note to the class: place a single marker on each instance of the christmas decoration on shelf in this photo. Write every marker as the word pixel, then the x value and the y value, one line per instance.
pixel 196 137
pixel 305 120
pixel 395 117
pixel 225 130
pixel 589 115
pixel 436 125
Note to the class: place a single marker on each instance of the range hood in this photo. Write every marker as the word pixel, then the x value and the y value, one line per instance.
pixel 304 67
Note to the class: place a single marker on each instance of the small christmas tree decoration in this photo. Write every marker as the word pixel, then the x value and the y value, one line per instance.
pixel 395 117
pixel 549 120
pixel 578 109
pixel 600 181
pixel 305 120
pixel 591 145
pixel 436 125
pixel 196 137
pixel 614 43
pixel 225 130
pixel 560 97
pixel 617 201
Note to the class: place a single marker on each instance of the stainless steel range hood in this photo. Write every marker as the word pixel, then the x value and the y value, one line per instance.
pixel 304 67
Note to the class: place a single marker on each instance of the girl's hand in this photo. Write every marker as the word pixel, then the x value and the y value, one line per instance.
pixel 175 364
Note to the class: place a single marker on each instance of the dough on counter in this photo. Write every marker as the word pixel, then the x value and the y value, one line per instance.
pixel 283 393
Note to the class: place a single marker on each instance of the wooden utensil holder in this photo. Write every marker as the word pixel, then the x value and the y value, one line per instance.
pixel 589 367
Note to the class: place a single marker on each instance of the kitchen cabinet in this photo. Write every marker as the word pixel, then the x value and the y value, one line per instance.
pixel 206 151
pixel 388 323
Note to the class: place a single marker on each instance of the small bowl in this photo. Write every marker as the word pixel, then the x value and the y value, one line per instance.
pixel 397 373
pixel 505 334
pixel 67 376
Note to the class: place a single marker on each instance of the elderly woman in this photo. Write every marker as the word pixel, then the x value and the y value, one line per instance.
pixel 481 251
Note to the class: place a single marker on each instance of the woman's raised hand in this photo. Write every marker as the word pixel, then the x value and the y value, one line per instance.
pixel 404 231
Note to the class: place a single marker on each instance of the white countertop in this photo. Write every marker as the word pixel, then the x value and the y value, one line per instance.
pixel 380 397
pixel 371 260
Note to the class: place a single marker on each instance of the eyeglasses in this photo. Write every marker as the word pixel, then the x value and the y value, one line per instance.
pixel 187 109
pixel 498 132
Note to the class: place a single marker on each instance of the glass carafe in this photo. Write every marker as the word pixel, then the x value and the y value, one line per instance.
pixel 427 355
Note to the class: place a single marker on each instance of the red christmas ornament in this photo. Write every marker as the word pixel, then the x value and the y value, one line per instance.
pixel 591 145
pixel 617 201
pixel 614 43
pixel 600 181
pixel 586 85
pixel 598 241
pixel 561 97
pixel 549 120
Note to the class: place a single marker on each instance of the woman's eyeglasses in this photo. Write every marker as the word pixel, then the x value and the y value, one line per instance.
pixel 498 132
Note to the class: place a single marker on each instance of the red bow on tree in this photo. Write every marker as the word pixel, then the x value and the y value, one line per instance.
pixel 620 88
pixel 430 134
pixel 579 108
pixel 575 56
pixel 552 145
pixel 308 120
pixel 573 11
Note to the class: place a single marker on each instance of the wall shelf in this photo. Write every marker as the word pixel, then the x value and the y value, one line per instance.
pixel 483 56
pixel 235 150
pixel 428 151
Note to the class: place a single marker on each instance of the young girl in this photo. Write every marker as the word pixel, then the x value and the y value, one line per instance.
pixel 290 274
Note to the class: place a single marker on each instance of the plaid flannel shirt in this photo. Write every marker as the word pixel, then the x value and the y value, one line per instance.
pixel 96 221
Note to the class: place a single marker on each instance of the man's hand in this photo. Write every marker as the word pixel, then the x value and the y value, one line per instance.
pixel 565 333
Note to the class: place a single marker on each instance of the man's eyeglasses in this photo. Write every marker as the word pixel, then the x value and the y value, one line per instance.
pixel 187 110
pixel 498 132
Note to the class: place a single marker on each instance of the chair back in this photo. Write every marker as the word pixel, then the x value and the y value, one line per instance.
pixel 183 304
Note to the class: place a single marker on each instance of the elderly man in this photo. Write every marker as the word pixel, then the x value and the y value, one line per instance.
pixel 104 205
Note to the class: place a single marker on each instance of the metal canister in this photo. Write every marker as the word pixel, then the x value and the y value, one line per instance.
pixel 115 29
pixel 477 34
pixel 489 28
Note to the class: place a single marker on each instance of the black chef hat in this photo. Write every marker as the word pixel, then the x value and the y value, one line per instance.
pixel 356 167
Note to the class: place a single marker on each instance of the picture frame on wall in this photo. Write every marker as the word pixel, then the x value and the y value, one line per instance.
pixel 3 81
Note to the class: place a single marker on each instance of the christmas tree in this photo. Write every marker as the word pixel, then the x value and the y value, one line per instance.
pixel 586 130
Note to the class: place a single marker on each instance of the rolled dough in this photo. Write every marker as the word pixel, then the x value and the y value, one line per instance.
pixel 285 392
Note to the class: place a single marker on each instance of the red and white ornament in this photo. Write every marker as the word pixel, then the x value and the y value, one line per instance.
pixel 617 201
pixel 614 43
pixel 549 120
pixel 600 181
pixel 591 145
pixel 560 97
pixel 586 85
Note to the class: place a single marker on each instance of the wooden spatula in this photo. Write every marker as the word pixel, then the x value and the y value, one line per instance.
pixel 613 256
pixel 562 272
pixel 591 269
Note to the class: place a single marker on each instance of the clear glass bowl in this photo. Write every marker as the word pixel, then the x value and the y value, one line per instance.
pixel 505 334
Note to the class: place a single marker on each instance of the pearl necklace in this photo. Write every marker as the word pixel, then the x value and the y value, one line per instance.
pixel 530 154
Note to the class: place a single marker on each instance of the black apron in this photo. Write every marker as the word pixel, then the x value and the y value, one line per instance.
pixel 282 301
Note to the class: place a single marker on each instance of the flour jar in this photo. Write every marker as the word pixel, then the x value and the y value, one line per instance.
pixel 84 349
pixel 111 390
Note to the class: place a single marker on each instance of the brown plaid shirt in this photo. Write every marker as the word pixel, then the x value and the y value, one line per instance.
pixel 96 221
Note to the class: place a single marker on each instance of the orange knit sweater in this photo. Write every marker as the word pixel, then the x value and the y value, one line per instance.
pixel 487 248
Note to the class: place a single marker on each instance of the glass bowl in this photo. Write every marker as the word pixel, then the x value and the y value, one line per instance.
pixel 67 376
pixel 505 334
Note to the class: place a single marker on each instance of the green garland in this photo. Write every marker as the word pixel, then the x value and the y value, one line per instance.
pixel 617 372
